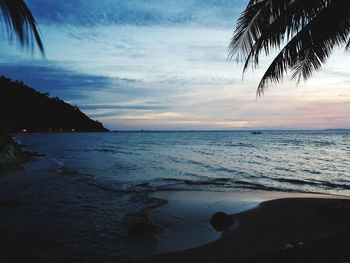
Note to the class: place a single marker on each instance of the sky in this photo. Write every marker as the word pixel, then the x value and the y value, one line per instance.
pixel 163 65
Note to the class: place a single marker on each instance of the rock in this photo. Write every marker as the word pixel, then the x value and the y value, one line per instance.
pixel 220 221
pixel 12 155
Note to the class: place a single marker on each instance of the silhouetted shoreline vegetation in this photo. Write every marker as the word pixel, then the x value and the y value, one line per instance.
pixel 23 109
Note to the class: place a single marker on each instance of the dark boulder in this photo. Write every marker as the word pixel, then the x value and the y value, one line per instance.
pixel 220 221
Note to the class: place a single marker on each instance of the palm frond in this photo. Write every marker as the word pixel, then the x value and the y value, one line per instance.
pixel 309 30
pixel 290 20
pixel 19 19
pixel 311 46
pixel 248 27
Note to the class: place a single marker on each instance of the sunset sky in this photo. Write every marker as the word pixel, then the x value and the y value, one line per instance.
pixel 163 65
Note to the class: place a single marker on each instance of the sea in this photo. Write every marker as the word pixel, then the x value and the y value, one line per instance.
pixel 79 196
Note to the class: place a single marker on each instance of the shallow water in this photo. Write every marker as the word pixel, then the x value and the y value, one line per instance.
pixel 78 200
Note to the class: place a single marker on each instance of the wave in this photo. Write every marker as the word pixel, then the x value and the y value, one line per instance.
pixel 286 169
pixel 315 183
pixel 204 152
pixel 240 144
pixel 211 184
pixel 323 143
pixel 225 169
pixel 125 187
pixel 44 164
pixel 311 171
pixel 106 150
pixel 17 140
pixel 299 142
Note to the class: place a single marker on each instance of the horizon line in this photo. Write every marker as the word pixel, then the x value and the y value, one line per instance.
pixel 238 130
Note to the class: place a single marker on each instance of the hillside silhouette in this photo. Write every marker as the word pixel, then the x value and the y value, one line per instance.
pixel 24 109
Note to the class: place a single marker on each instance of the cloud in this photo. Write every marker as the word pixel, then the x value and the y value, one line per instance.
pixel 71 85
pixel 138 12
pixel 154 64
pixel 123 107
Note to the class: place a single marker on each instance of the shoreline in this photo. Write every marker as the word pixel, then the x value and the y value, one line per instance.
pixel 193 237
pixel 185 216
pixel 275 228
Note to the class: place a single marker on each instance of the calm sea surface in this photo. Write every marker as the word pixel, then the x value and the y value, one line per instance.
pixel 88 186
pixel 225 161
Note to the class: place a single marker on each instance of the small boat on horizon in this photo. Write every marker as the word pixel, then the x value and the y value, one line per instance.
pixel 256 132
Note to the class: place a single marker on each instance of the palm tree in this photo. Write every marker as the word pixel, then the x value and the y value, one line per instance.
pixel 20 21
pixel 304 32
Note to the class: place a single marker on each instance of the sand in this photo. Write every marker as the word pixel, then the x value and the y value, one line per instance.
pixel 282 230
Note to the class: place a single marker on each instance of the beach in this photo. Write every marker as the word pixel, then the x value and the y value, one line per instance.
pixel 298 229
pixel 79 196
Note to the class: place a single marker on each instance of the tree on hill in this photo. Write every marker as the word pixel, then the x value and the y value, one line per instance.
pixel 304 31
pixel 24 109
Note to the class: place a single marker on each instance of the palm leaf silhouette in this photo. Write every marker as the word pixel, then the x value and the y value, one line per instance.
pixel 20 21
pixel 304 32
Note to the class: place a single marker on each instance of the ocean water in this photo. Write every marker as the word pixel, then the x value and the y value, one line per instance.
pixel 80 197
pixel 301 161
